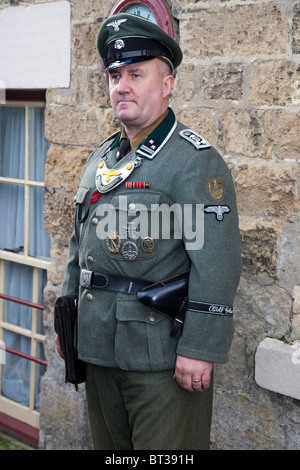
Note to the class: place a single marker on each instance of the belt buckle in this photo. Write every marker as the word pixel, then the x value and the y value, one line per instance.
pixel 86 278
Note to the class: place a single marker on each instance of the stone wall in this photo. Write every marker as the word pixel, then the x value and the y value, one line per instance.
pixel 239 87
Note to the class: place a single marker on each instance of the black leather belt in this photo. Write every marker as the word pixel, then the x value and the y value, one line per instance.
pixel 112 282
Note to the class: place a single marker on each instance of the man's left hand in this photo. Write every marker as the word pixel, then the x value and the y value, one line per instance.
pixel 192 374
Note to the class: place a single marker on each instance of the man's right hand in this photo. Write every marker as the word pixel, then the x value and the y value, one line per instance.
pixel 58 348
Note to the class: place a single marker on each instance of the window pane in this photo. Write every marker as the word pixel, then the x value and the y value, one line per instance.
pixel 16 372
pixel 38 145
pixel 18 284
pixel 39 240
pixel 12 142
pixel 12 217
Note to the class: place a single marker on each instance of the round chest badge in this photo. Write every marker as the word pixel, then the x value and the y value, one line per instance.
pixel 147 245
pixel 130 251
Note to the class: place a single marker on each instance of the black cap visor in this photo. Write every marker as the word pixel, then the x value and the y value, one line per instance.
pixel 125 51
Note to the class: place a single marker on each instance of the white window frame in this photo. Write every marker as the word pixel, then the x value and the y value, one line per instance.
pixel 9 407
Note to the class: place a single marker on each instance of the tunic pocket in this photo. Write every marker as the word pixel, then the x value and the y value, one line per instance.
pixel 142 340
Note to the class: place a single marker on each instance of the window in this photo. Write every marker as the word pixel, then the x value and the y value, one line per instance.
pixel 24 257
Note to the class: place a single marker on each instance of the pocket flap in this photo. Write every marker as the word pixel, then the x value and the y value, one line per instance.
pixel 132 310
pixel 81 194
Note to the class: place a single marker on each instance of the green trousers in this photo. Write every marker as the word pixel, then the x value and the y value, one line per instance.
pixel 145 411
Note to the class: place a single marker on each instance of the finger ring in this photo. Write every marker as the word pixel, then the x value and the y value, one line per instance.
pixel 196 381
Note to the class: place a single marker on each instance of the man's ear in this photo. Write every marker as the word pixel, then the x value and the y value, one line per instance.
pixel 168 84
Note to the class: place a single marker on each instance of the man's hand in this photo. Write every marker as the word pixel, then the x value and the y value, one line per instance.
pixel 192 374
pixel 58 348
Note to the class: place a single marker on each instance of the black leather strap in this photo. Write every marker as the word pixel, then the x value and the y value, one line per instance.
pixel 112 282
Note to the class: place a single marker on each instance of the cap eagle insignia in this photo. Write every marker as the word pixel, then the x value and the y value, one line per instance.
pixel 115 24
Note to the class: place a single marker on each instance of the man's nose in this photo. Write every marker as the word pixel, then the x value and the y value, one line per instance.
pixel 123 84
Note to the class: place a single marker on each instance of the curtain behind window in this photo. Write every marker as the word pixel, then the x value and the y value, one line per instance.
pixel 18 277
pixel 12 157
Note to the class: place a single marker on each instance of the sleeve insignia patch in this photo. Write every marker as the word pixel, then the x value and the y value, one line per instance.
pixel 219 211
pixel 196 139
pixel 216 188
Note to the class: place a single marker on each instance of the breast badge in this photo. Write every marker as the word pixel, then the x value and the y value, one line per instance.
pixel 130 251
pixel 147 245
pixel 113 242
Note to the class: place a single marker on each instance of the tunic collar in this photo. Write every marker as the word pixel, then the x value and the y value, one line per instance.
pixel 143 134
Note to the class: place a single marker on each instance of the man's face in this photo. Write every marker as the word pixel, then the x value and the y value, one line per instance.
pixel 139 94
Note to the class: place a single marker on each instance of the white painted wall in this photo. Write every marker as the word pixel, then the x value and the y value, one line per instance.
pixel 35 46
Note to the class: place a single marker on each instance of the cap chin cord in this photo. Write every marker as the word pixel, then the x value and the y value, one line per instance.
pixel 122 63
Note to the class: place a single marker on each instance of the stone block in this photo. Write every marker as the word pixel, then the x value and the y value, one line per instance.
pixel 91 9
pixel 274 82
pixel 184 87
pixel 277 367
pixel 78 126
pixel 64 167
pixel 259 246
pixel 59 258
pixel 296 30
pixel 267 188
pixel 201 120
pixel 84 43
pixel 97 90
pixel 296 297
pixel 247 132
pixel 220 81
pixel 59 211
pixel 233 30
pixel 286 135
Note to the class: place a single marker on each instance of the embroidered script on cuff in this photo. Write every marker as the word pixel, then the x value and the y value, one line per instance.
pixel 204 307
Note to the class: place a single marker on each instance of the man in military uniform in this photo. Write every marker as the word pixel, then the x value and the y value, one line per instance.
pixel 148 386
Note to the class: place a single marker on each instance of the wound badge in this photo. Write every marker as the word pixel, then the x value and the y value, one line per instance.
pixel 113 242
pixel 147 245
pixel 216 188
pixel 130 251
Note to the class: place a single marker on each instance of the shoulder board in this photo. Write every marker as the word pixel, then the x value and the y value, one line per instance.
pixel 196 139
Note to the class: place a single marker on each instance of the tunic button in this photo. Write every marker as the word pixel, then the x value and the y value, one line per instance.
pixel 90 259
pixel 152 317
pixel 131 206
pixel 95 221
pixel 89 297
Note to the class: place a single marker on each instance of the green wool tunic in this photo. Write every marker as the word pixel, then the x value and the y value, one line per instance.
pixel 118 233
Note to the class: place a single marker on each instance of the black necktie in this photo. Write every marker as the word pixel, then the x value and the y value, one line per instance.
pixel 124 147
